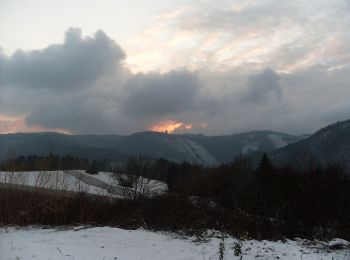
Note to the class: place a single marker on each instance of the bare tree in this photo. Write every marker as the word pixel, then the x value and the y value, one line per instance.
pixel 134 178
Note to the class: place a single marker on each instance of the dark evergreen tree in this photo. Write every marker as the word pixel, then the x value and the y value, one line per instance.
pixel 93 168
pixel 265 165
pixel 267 176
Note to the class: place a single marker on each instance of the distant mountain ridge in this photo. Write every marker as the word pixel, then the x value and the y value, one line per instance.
pixel 329 145
pixel 189 147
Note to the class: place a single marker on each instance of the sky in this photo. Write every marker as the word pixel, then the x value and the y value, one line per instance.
pixel 195 66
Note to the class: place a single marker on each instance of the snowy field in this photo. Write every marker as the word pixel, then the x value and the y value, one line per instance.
pixel 113 243
pixel 102 183
pixel 57 180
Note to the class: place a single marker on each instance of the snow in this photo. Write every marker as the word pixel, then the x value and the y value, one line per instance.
pixel 102 183
pixel 58 180
pixel 192 150
pixel 111 179
pixel 338 243
pixel 114 243
pixel 250 147
pixel 106 177
pixel 277 140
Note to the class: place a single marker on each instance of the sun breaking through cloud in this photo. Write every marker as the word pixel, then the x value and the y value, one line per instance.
pixel 170 126
pixel 247 65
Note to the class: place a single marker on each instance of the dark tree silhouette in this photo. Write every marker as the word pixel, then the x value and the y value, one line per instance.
pixel 265 165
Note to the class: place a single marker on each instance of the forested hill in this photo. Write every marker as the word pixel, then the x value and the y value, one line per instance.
pixel 189 147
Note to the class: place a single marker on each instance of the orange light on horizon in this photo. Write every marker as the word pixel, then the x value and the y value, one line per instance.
pixel 170 126
pixel 17 124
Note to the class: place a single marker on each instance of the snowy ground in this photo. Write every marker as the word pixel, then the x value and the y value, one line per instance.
pixel 113 243
pixel 57 180
pixel 102 183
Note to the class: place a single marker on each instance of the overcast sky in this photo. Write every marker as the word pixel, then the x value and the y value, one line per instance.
pixel 214 67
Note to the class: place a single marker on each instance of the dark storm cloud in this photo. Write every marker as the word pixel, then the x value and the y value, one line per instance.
pixel 263 86
pixel 102 102
pixel 145 100
pixel 81 114
pixel 230 101
pixel 161 94
pixel 77 62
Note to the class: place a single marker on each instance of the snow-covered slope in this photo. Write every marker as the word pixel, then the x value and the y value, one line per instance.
pixel 278 140
pixel 113 243
pixel 77 181
pixel 193 151
pixel 250 147
pixel 57 180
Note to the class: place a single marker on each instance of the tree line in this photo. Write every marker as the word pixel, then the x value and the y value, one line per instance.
pixel 53 162
pixel 312 202
pixel 265 201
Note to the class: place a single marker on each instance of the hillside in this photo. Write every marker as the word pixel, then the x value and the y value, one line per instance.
pixel 327 146
pixel 194 148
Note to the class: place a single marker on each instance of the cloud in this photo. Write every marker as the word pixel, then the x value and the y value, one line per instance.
pixel 9 124
pixel 154 94
pixel 263 86
pixel 84 86
pixel 76 63
pixel 336 113
pixel 69 85
pixel 80 113
pixel 284 35
pixel 237 17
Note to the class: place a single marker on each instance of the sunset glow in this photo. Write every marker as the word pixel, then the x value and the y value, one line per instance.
pixel 170 126
pixel 15 124
pixel 211 67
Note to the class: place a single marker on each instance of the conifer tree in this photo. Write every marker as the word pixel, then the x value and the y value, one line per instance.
pixel 265 165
